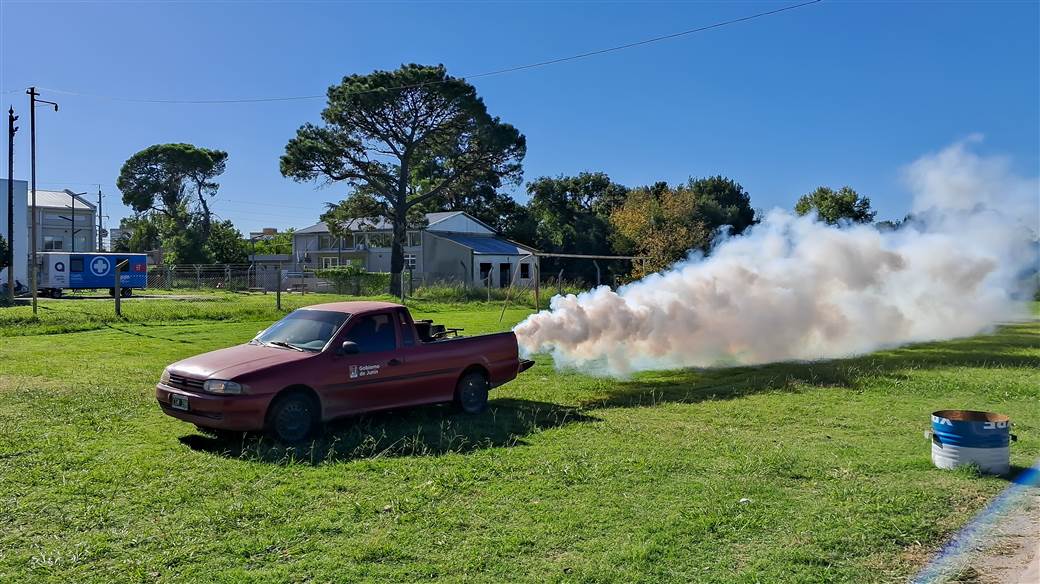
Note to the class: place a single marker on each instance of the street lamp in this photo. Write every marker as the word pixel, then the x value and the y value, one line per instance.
pixel 72 221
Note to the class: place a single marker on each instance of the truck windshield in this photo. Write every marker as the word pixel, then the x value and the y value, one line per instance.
pixel 309 330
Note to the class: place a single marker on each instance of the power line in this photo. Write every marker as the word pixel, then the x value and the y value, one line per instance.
pixel 474 76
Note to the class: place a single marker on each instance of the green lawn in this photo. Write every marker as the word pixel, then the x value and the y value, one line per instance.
pixel 566 478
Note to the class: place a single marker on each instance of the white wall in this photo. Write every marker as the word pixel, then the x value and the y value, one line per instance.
pixel 21 230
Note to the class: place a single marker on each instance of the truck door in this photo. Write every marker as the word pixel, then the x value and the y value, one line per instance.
pixel 426 374
pixel 369 379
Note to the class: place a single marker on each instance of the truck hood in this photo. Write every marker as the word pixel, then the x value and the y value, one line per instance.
pixel 233 361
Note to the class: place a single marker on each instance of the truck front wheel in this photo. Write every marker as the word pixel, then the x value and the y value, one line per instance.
pixel 293 417
pixel 471 394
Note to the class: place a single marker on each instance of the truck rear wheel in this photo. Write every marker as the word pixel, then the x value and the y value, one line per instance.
pixel 126 292
pixel 471 393
pixel 293 418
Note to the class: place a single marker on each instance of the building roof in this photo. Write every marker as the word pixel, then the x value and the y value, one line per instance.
pixel 381 224
pixel 486 244
pixel 58 200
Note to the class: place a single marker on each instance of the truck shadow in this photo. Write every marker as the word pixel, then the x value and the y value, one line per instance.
pixel 419 431
pixel 1008 348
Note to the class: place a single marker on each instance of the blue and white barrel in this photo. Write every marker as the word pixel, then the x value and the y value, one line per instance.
pixel 962 437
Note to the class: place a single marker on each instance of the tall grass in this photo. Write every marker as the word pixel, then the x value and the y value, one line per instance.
pixel 458 293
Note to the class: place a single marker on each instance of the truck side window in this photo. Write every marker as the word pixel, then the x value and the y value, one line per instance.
pixel 407 332
pixel 75 264
pixel 373 334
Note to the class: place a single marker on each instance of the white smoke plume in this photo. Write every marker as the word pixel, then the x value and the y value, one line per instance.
pixel 793 288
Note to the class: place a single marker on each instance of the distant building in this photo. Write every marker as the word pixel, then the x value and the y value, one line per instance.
pixel 453 246
pixel 64 221
pixel 265 233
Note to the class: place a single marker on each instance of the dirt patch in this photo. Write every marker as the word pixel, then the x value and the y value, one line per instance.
pixel 1010 554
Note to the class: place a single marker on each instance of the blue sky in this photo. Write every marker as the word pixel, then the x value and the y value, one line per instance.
pixel 834 93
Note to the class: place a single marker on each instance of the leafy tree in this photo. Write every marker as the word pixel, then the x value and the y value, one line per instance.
pixel 172 183
pixel 144 235
pixel 834 207
pixel 572 215
pixel 400 139
pixel 280 243
pixel 664 224
pixel 3 253
pixel 225 244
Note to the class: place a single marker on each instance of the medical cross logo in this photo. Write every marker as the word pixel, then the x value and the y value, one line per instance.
pixel 100 266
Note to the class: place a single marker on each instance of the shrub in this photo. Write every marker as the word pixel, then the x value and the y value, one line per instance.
pixel 356 280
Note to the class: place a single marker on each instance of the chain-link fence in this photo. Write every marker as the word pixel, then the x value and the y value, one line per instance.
pixel 267 278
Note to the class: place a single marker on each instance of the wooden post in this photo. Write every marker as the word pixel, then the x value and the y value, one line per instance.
pixel 120 266
pixel 278 288
pixel 537 286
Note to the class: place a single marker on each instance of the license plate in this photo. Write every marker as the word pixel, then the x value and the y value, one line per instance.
pixel 178 402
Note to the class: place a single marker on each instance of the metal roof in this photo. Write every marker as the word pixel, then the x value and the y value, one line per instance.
pixel 485 244
pixel 57 200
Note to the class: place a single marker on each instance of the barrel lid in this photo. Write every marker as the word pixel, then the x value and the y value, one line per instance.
pixel 970 416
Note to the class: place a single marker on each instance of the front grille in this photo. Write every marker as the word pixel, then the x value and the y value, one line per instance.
pixel 187 383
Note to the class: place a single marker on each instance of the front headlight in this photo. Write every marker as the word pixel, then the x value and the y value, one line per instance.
pixel 165 377
pixel 222 386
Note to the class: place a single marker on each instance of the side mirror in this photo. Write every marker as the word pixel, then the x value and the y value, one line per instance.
pixel 349 348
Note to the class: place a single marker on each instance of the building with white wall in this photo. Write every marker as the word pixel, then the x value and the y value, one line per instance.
pixel 20 238
pixel 453 246
pixel 64 221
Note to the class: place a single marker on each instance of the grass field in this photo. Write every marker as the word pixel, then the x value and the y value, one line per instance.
pixel 566 478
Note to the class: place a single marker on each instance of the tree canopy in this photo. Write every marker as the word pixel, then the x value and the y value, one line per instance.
pixel 571 214
pixel 279 243
pixel 225 244
pixel 833 207
pixel 170 184
pixel 663 224
pixel 174 180
pixel 400 139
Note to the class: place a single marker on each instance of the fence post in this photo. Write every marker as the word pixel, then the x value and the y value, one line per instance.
pixel 278 288
pixel 537 286
pixel 402 287
pixel 559 283
pixel 198 277
pixel 169 277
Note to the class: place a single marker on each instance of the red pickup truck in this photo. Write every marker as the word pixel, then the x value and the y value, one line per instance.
pixel 331 360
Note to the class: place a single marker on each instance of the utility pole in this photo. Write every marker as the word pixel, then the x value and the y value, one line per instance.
pixel 72 225
pixel 32 154
pixel 100 226
pixel 11 129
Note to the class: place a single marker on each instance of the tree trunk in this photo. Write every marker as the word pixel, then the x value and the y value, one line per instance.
pixel 397 250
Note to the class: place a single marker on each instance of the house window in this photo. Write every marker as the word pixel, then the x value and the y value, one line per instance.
pixel 51 243
pixel 359 241
pixel 525 271
pixel 329 262
pixel 414 239
pixel 379 240
pixel 327 242
pixel 409 261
